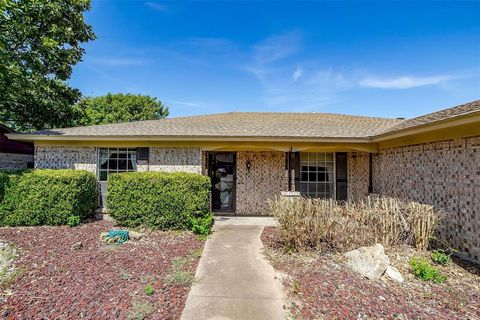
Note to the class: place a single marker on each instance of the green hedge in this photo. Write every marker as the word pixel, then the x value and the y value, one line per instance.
pixel 160 200
pixel 46 197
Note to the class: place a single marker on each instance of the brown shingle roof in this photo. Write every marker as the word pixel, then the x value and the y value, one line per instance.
pixel 441 115
pixel 242 124
pixel 261 124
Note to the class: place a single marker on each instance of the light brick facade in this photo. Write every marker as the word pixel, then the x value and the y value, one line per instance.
pixel 173 160
pixel 78 158
pixel 444 174
pixel 266 178
pixel 358 173
pixel 86 158
pixel 15 161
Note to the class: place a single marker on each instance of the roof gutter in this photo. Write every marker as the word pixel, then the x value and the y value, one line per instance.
pixel 35 137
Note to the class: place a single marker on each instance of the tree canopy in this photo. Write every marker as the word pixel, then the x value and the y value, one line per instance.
pixel 39 45
pixel 114 108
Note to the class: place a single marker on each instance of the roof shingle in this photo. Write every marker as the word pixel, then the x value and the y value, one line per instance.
pixel 242 124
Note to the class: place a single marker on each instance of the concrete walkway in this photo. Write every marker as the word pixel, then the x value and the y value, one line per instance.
pixel 234 279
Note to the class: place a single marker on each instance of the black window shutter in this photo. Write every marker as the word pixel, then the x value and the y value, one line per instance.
pixel 143 154
pixel 341 174
pixel 296 168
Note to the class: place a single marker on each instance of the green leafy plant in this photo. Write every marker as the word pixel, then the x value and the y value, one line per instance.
pixel 441 257
pixel 202 226
pixel 148 290
pixel 160 200
pixel 47 197
pixel 422 269
pixel 73 221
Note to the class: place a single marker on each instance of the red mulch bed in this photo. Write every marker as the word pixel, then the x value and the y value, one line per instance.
pixel 319 286
pixel 97 281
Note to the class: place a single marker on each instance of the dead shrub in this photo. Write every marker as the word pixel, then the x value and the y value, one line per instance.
pixel 327 224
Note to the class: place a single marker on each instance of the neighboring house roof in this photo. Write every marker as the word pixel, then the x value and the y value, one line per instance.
pixel 9 146
pixel 256 125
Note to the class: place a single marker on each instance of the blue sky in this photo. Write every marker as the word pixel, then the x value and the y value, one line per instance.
pixel 390 59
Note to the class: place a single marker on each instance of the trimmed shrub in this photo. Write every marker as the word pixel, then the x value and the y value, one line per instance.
pixel 47 197
pixel 160 200
pixel 3 184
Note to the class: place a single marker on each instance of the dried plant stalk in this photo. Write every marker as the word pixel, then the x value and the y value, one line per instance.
pixel 317 223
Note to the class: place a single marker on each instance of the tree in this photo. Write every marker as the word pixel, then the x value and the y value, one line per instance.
pixel 114 108
pixel 39 45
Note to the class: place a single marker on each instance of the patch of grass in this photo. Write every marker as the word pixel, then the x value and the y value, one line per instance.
pixel 196 253
pixel 179 263
pixel 424 270
pixel 139 310
pixel 124 274
pixel 179 275
pixel 149 290
pixel 441 257
pixel 8 273
pixel 6 279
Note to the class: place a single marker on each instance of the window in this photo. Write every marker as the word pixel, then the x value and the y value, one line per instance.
pixel 113 160
pixel 317 174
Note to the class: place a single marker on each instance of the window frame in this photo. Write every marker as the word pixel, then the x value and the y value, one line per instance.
pixel 304 185
pixel 128 158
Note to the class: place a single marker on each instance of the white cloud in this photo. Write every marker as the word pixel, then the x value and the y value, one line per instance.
pixel 297 74
pixel 277 47
pixel 405 82
pixel 185 103
pixel 157 6
pixel 271 65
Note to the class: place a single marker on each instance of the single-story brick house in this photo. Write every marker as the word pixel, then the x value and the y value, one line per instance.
pixel 252 157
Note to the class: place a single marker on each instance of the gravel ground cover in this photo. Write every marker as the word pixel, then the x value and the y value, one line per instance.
pixel 319 286
pixel 59 278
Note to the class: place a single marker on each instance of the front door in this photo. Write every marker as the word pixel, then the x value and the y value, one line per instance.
pixel 221 170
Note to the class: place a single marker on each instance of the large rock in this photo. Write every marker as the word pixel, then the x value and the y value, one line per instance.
pixel 370 262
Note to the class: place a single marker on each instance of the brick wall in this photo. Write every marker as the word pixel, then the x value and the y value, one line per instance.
pixel 79 158
pixel 173 160
pixel 357 175
pixel 14 161
pixel 265 179
pixel 444 174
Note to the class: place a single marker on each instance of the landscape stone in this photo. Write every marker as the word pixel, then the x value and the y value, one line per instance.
pixel 370 262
